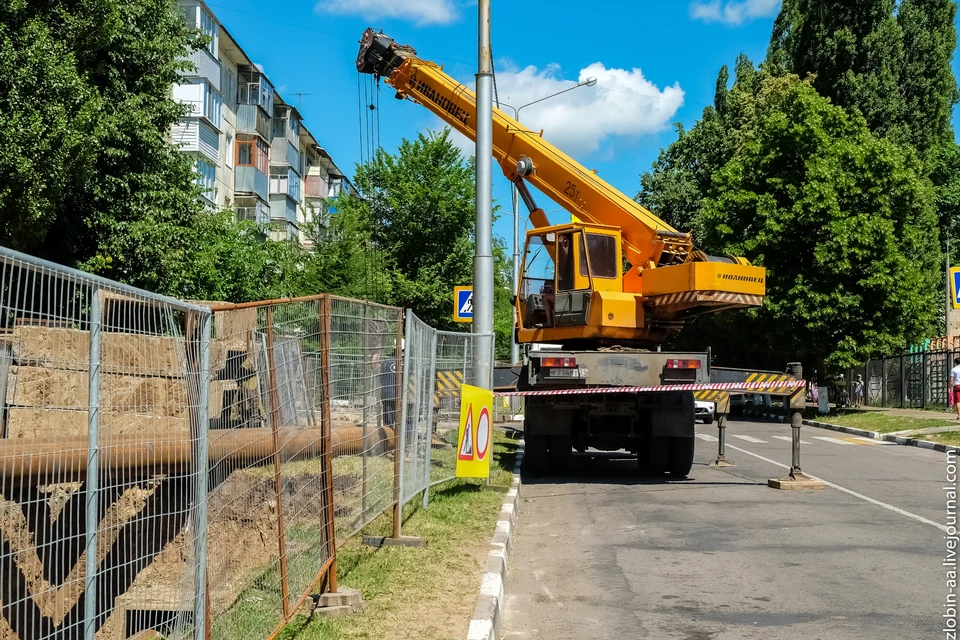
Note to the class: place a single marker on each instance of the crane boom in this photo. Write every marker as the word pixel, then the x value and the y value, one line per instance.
pixel 667 279
pixel 564 180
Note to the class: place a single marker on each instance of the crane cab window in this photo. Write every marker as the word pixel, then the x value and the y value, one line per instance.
pixel 604 261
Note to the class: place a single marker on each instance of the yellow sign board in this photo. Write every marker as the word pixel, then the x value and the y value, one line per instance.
pixel 475 444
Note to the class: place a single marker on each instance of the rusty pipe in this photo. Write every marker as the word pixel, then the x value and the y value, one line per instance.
pixel 62 458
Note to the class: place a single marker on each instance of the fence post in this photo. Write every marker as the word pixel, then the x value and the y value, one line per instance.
pixel 923 380
pixel 92 513
pixel 883 381
pixel 327 435
pixel 367 372
pixel 398 438
pixel 277 483
pixel 201 623
pixel 433 385
pixel 903 385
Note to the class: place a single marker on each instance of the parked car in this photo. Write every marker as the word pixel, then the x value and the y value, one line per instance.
pixel 705 411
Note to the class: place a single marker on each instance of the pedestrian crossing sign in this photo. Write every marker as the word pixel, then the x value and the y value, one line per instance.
pixel 955 286
pixel 475 440
pixel 463 304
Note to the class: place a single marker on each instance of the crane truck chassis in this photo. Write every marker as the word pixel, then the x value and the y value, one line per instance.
pixel 658 427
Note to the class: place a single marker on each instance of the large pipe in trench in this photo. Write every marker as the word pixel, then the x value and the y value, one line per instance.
pixel 62 459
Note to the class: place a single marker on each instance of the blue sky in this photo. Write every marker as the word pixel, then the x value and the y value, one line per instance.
pixel 656 64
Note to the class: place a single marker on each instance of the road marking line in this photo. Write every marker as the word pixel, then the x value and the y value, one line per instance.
pixel 789 439
pixel 750 439
pixel 865 440
pixel 852 493
pixel 832 440
pixel 707 438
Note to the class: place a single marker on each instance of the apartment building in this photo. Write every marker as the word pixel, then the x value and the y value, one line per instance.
pixel 253 153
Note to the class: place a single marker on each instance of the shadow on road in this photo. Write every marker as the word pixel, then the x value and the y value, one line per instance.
pixel 618 468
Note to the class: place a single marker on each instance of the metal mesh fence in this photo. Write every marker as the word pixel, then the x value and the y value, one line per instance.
pixel 917 380
pixel 893 382
pixel 185 473
pixel 103 456
pixel 268 504
pixel 365 350
pixel 418 408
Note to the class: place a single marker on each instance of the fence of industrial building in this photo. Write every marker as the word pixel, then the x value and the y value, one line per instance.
pixel 918 380
pixel 191 469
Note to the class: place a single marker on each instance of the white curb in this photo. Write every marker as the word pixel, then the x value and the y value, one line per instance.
pixel 485 624
pixel 887 437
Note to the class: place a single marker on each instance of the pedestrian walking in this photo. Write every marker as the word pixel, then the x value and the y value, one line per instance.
pixel 955 385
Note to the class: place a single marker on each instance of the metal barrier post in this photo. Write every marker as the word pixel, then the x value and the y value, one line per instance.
pixel 92 513
pixel 277 483
pixel 201 468
pixel 366 415
pixel 327 435
pixel 796 479
pixel 399 440
pixel 883 382
pixel 721 460
pixel 429 443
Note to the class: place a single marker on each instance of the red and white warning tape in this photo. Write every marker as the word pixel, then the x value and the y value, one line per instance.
pixel 706 386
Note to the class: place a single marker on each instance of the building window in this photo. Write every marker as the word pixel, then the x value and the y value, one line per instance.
pixel 253 153
pixel 209 28
pixel 230 152
pixel 228 83
pixel 207 178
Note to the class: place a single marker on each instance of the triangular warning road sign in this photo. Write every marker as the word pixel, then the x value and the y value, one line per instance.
pixel 466 445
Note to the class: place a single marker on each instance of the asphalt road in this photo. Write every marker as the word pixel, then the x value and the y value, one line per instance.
pixel 602 553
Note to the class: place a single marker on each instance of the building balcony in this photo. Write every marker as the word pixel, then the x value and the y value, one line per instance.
pixel 249 179
pixel 253 209
pixel 207 67
pixel 197 135
pixel 285 181
pixel 283 209
pixel 283 152
pixel 253 120
pixel 315 186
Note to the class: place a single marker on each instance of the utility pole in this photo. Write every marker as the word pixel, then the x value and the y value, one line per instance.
pixel 514 345
pixel 483 256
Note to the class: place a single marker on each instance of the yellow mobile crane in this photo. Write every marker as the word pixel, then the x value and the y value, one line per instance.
pixel 606 289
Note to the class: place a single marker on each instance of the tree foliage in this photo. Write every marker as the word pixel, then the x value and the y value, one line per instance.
pixel 88 176
pixel 409 240
pixel 843 221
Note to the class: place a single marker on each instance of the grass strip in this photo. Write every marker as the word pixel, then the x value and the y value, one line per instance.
pixel 426 593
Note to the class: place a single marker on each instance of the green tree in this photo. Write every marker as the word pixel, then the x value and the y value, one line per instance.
pixel 926 79
pixel 854 50
pixel 416 220
pixel 88 176
pixel 843 221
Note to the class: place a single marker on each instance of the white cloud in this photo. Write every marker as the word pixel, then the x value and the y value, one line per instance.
pixel 420 12
pixel 733 12
pixel 622 105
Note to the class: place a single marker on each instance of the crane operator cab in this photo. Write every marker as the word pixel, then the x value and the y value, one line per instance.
pixel 563 266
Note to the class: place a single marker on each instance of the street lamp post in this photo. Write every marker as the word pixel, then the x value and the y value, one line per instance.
pixel 515 346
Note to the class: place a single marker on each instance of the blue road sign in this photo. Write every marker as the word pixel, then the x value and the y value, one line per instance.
pixel 463 304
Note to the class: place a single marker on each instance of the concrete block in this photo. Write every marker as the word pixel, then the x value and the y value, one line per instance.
pixel 29 422
pixel 47 388
pixel 122 353
pixel 345 597
pixel 796 482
